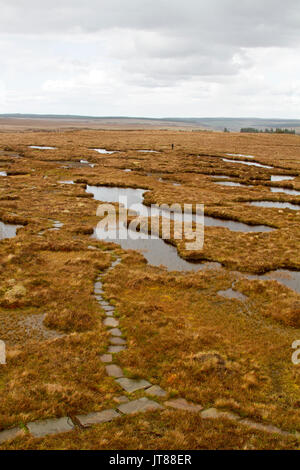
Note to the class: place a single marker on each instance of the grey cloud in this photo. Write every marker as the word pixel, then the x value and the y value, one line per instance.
pixel 233 22
pixel 119 47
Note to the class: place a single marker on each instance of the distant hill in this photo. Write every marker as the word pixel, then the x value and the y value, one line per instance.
pixel 75 121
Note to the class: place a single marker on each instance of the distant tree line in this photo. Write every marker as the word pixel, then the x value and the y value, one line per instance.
pixel 278 130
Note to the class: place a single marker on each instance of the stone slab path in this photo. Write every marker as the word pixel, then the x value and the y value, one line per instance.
pixel 124 405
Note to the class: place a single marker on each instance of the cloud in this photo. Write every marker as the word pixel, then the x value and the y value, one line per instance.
pixel 97 55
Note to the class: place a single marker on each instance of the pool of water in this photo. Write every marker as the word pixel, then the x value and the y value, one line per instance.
pixel 148 151
pixel 220 176
pixel 174 183
pixel 133 199
pixel 286 277
pixel 246 163
pixel 230 183
pixel 235 226
pixel 292 192
pixel 154 249
pixel 73 163
pixel 85 162
pixel 127 170
pixel 8 230
pixel 104 151
pixel 276 205
pixel 3 173
pixel 67 182
pixel 41 147
pixel 282 178
pixel 239 155
pixel 157 252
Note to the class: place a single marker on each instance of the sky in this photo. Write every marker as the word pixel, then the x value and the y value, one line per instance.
pixel 152 58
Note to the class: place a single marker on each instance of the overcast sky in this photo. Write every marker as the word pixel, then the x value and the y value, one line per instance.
pixel 151 57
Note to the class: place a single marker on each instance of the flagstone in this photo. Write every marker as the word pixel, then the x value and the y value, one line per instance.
pixel 132 385
pixel 117 341
pixel 50 426
pixel 114 371
pixel 10 434
pixel 97 417
pixel 106 358
pixel 141 405
pixel 111 322
pixel 116 349
pixel 156 391
pixel 115 332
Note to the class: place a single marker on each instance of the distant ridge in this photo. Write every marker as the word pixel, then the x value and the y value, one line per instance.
pixel 216 123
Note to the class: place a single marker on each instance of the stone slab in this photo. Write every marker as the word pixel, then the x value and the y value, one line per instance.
pixel 213 413
pixel 50 426
pixel 10 434
pixel 182 404
pixel 132 385
pixel 106 358
pixel 156 391
pixel 111 322
pixel 114 371
pixel 137 406
pixel 115 332
pixel 108 308
pixel 97 417
pixel 263 427
pixel 116 349
pixel 121 399
pixel 117 341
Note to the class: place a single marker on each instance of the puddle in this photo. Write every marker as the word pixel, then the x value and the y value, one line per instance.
pixel 157 252
pixel 154 249
pixel 85 162
pixel 229 183
pixel 8 230
pixel 9 153
pixel 239 155
pixel 220 176
pixel 57 225
pixel 174 183
pixel 105 152
pixel 3 173
pixel 135 202
pixel 41 147
pixel 286 277
pixel 127 170
pixel 232 294
pixel 67 182
pixel 147 151
pixel 291 192
pixel 246 163
pixel 73 164
pixel 282 178
pixel 276 205
pixel 236 226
